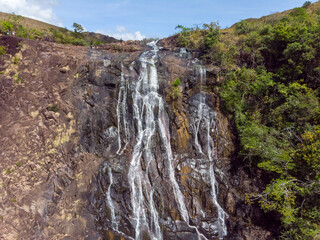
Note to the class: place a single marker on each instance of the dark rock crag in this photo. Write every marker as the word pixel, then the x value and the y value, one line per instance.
pixel 60 159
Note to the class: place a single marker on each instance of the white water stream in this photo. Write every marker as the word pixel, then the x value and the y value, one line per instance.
pixel 145 100
pixel 150 121
pixel 207 119
pixel 122 113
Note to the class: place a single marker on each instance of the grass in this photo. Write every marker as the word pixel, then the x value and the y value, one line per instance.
pixel 16 60
pixel 3 50
pixel 19 164
pixel 17 78
pixel 53 108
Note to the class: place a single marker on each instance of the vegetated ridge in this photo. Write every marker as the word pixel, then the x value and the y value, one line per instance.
pixel 33 29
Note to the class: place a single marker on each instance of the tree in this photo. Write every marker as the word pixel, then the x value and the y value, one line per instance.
pixel 212 34
pixel 77 28
pixel 306 4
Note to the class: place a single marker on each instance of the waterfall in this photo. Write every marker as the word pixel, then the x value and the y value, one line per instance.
pixel 149 117
pixel 114 222
pixel 145 101
pixel 152 134
pixel 122 113
pixel 206 119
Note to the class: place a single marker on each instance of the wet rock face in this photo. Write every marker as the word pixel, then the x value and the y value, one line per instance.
pixel 198 200
pixel 80 135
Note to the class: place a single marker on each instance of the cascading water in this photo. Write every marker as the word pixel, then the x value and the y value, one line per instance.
pixel 114 222
pixel 122 113
pixel 153 190
pixel 145 101
pixel 149 116
pixel 206 119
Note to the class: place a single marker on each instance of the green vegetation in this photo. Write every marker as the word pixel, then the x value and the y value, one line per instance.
pixel 17 24
pixel 3 50
pixel 77 28
pixel 53 108
pixel 9 171
pixel 17 78
pixel 306 4
pixel 7 26
pixel 204 37
pixel 175 93
pixel 176 83
pixel 16 60
pixel 271 88
pixel 18 164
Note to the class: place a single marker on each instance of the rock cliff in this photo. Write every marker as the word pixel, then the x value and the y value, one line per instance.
pixel 119 142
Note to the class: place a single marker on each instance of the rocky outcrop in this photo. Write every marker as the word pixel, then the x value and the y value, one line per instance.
pixel 64 175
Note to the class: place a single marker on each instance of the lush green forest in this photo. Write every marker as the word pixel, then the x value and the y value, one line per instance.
pixel 270 74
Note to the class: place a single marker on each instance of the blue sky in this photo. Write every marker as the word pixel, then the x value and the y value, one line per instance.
pixel 136 19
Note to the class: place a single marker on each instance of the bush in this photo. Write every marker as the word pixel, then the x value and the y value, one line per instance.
pixel 79 42
pixel 176 83
pixel 242 27
pixel 3 50
pixel 53 108
pixel 17 78
pixel 97 43
pixel 15 60
pixel 7 26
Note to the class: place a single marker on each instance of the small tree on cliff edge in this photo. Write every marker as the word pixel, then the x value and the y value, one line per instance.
pixel 77 28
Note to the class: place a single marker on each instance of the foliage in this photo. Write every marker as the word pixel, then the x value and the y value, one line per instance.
pixel 77 28
pixel 59 35
pixel 3 50
pixel 53 108
pixel 97 43
pixel 78 42
pixel 306 4
pixel 271 75
pixel 18 164
pixel 15 60
pixel 176 83
pixel 174 93
pixel 7 26
pixel 17 78
pixel 198 37
pixel 212 35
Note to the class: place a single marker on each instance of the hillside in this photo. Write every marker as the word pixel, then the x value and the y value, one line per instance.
pixel 209 134
pixel 34 29
pixel 268 77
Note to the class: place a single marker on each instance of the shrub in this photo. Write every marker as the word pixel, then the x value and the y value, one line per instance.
pixel 19 164
pixel 97 43
pixel 79 42
pixel 17 78
pixel 53 108
pixel 3 50
pixel 176 83
pixel 16 60
pixel 7 25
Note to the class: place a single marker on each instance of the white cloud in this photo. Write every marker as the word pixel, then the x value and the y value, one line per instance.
pixel 124 34
pixel 37 9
